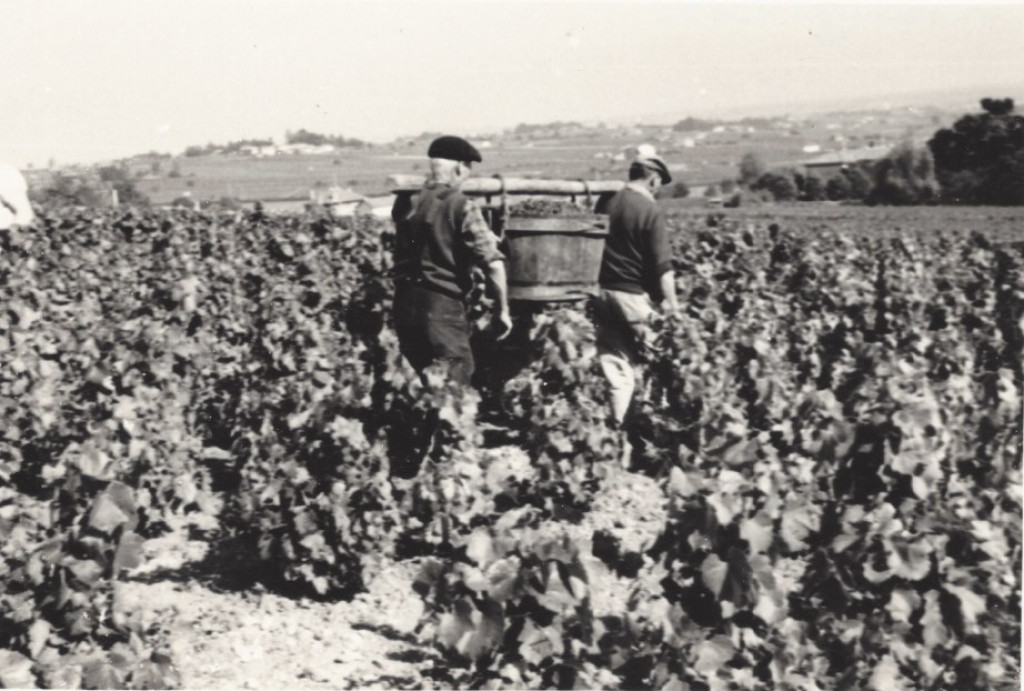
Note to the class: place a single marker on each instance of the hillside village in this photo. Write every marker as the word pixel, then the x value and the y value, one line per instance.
pixel 351 178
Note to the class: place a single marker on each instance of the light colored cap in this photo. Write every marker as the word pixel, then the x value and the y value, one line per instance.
pixel 647 156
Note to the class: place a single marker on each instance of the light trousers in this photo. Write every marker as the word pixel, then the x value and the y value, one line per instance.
pixel 623 325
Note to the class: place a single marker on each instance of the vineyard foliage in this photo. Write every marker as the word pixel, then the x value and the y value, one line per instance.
pixel 835 422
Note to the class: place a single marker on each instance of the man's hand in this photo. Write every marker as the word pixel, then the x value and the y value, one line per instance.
pixel 501 324
pixel 667 283
pixel 665 316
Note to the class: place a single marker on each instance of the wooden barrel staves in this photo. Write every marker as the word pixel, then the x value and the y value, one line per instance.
pixel 554 258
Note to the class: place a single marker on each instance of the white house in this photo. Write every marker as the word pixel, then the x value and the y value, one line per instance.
pixel 300 148
pixel 344 202
pixel 259 151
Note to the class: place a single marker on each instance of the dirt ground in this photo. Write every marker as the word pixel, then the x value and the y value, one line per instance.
pixel 224 637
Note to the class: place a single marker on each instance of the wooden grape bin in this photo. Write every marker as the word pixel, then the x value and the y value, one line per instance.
pixel 552 258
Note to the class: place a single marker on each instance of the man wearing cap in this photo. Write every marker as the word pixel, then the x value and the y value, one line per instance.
pixel 636 271
pixel 440 235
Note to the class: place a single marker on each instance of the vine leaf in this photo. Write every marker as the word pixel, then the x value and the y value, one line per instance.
pixel 16 671
pixel 114 507
pixel 712 654
pixel 886 676
pixel 713 572
pixel 129 554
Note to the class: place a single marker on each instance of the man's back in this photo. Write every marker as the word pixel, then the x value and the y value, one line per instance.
pixel 636 251
pixel 427 241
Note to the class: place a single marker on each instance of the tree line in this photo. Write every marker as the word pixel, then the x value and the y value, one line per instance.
pixel 979 160
pixel 303 136
pixel 229 148
pixel 300 136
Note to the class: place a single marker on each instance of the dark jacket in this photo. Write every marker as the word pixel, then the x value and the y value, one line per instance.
pixel 439 239
pixel 636 252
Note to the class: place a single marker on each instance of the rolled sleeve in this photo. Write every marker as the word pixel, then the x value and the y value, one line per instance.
pixel 478 236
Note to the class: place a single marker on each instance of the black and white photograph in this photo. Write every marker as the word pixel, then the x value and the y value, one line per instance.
pixel 500 344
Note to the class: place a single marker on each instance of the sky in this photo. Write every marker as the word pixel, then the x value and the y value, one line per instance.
pixel 87 81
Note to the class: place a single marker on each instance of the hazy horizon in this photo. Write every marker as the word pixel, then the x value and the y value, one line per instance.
pixel 108 79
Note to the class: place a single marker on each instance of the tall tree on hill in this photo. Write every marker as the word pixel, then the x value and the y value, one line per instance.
pixel 751 169
pixel 980 160
pixel 812 189
pixel 905 176
pixel 305 137
pixel 838 188
pixel 860 181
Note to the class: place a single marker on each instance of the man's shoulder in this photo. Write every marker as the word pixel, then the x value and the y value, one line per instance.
pixel 443 192
pixel 630 201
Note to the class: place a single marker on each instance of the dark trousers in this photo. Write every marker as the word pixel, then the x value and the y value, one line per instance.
pixel 432 329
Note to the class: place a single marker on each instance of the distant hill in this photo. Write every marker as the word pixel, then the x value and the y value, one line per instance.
pixel 958 100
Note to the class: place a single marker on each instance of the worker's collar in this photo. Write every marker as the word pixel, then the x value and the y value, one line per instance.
pixel 435 182
pixel 639 186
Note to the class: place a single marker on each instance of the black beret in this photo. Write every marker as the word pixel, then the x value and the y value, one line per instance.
pixel 454 149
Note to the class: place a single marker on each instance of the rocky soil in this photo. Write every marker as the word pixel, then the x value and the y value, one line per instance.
pixel 224 630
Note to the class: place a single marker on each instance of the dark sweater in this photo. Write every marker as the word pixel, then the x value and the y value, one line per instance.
pixel 636 252
pixel 440 235
pixel 427 243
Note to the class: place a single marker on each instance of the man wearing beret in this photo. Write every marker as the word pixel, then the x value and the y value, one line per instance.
pixel 440 235
pixel 636 271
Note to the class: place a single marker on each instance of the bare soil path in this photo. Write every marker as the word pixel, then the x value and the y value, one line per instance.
pixel 225 636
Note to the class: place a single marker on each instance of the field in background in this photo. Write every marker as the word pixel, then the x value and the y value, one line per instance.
pixel 366 171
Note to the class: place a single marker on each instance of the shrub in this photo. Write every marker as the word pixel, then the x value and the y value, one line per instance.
pixel 838 188
pixel 752 168
pixel 860 181
pixel 66 190
pixel 905 176
pixel 674 190
pixel 779 187
pixel 812 190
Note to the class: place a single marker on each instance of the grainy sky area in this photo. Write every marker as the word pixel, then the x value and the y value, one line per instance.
pixel 84 81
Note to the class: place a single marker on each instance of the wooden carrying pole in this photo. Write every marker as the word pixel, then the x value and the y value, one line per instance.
pixel 404 184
